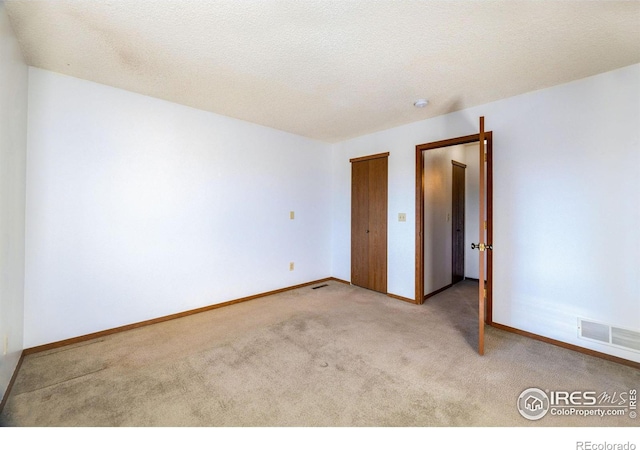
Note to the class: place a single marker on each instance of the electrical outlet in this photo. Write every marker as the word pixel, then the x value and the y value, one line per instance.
pixel 292 215
pixel 402 217
pixel 6 344
pixel 290 266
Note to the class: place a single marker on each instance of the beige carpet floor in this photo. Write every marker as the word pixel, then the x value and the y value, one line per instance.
pixel 334 356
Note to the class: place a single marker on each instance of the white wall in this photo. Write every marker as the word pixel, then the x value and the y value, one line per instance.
pixel 472 210
pixel 566 209
pixel 13 146
pixel 139 208
pixel 438 181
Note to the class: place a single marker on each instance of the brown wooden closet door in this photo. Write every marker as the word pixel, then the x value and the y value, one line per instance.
pixel 369 222
pixel 360 223
pixel 378 224
pixel 457 221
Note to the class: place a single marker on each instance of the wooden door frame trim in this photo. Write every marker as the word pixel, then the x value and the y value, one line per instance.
pixel 420 149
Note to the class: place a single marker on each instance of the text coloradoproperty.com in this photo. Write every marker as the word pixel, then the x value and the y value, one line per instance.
pixel 600 412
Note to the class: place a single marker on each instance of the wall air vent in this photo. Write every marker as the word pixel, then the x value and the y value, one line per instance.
pixel 625 338
pixel 595 331
pixel 610 335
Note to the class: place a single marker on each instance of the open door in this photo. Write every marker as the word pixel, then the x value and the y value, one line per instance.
pixel 482 245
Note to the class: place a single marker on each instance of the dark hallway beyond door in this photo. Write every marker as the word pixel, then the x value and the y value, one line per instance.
pixel 457 221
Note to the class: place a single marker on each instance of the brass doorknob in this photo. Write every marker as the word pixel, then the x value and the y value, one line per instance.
pixel 481 247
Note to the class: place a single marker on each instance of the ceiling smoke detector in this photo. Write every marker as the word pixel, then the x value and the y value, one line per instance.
pixel 421 103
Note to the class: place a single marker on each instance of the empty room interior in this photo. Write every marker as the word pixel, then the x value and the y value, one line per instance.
pixel 319 213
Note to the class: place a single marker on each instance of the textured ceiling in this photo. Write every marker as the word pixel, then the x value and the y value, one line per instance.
pixel 328 70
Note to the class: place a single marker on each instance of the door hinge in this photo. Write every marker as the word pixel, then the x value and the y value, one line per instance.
pixel 485 224
pixel 485 293
pixel 485 157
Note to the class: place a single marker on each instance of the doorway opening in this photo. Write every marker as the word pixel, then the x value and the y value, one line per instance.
pixel 440 153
